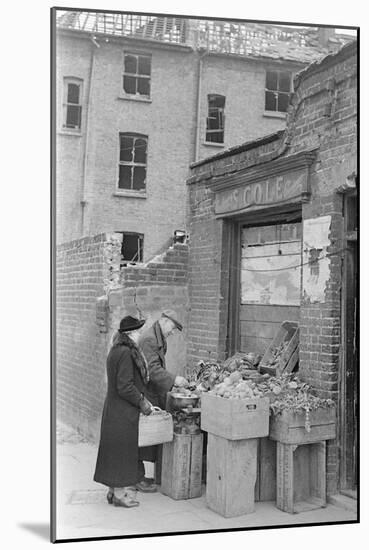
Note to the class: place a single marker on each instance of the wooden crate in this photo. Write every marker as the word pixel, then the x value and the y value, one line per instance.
pixel 287 332
pixel 235 418
pixel 231 475
pixel 181 467
pixel 266 477
pixel 289 427
pixel 301 477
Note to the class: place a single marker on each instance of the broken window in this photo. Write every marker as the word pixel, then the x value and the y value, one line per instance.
pixel 72 103
pixel 137 74
pixel 277 90
pixel 215 119
pixel 132 161
pixel 132 247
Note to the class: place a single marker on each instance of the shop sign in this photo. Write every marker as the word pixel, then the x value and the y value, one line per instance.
pixel 269 192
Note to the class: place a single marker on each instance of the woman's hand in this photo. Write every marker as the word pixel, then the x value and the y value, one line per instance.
pixel 145 406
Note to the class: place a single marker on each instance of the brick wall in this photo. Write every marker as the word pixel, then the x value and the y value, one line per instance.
pixel 92 294
pixel 322 115
pixel 80 346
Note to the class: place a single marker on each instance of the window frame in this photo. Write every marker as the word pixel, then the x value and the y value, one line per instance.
pixel 221 115
pixel 67 80
pixel 131 190
pixel 277 91
pixel 140 239
pixel 136 75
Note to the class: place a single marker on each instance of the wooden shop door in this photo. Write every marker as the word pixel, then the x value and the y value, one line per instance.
pixel 270 282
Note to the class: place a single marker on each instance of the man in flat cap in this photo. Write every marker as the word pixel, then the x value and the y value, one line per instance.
pixel 153 344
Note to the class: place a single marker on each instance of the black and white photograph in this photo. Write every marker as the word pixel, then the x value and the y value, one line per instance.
pixel 205 192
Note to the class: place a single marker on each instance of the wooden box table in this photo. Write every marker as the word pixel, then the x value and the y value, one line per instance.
pixel 301 458
pixel 233 426
pixel 181 470
pixel 235 418
pixel 289 427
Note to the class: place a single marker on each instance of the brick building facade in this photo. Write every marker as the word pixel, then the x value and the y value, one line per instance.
pixel 195 76
pixel 284 207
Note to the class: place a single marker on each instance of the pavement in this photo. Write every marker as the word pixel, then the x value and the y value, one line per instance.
pixel 83 512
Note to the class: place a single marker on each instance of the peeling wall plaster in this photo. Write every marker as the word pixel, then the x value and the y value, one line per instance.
pixel 316 270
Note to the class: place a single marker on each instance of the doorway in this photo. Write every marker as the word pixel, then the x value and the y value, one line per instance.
pixel 349 374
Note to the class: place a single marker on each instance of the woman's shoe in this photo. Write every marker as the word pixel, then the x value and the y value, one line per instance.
pixel 146 487
pixel 126 501
pixel 109 497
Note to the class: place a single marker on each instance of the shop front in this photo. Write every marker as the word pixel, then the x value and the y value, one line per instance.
pixel 263 212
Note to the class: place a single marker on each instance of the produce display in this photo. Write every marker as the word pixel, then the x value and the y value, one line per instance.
pixel 298 398
pixel 189 391
pixel 238 378
pixel 209 373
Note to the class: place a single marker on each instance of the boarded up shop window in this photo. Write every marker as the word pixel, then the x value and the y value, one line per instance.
pixel 132 161
pixel 271 265
pixel 215 119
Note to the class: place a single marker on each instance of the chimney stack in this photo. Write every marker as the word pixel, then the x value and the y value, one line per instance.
pixel 324 34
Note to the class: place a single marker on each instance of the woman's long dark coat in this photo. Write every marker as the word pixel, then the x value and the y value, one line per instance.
pixel 117 457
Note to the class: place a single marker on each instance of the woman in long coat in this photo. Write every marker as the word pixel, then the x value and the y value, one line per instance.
pixel 117 459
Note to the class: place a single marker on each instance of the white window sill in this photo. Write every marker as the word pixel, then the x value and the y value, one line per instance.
pixel 66 132
pixel 274 114
pixel 127 193
pixel 132 97
pixel 213 144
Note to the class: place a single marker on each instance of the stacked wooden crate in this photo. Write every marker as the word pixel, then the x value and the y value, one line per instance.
pixel 301 458
pixel 233 426
pixel 287 341
pixel 181 468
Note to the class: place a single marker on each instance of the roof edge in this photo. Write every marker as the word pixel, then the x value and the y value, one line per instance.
pixel 247 146
pixel 320 65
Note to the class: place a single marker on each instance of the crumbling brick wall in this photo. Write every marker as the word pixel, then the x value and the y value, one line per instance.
pixel 93 293
pixel 324 115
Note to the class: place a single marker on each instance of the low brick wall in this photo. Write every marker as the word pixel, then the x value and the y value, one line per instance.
pixel 93 293
pixel 80 346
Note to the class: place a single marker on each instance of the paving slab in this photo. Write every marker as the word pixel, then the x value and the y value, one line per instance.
pixel 83 512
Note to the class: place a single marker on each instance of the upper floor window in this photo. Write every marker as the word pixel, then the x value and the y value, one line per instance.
pixel 132 161
pixel 137 74
pixel 277 90
pixel 215 119
pixel 72 104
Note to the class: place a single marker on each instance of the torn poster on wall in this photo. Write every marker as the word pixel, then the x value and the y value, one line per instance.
pixel 315 261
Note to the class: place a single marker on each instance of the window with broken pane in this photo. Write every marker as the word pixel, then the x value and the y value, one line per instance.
pixel 277 90
pixel 72 103
pixel 137 74
pixel 132 247
pixel 215 118
pixel 132 161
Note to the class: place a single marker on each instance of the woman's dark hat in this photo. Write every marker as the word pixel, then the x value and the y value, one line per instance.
pixel 130 323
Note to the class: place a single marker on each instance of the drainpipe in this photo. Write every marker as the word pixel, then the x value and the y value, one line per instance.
pixel 202 53
pixel 84 170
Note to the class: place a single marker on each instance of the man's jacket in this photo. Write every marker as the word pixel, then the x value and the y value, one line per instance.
pixel 153 345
